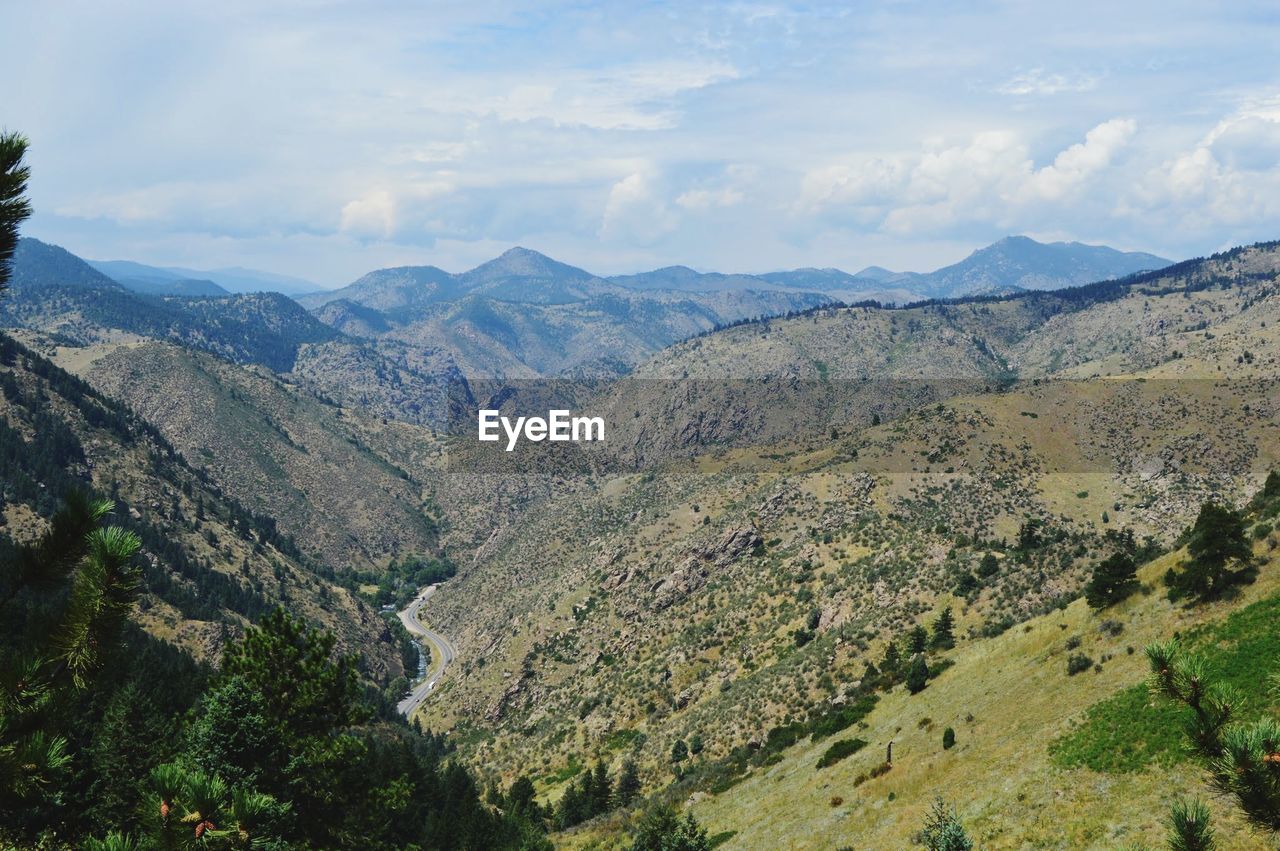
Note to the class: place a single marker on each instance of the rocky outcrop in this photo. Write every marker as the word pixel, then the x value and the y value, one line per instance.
pixel 692 572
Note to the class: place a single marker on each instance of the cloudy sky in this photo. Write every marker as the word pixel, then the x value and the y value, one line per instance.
pixel 325 139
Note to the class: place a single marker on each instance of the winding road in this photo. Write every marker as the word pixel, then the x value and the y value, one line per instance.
pixel 441 651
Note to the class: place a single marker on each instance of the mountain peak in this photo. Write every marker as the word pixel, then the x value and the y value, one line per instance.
pixel 521 262
pixel 1020 262
pixel 37 263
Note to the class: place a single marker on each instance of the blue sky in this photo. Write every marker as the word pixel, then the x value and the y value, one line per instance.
pixel 325 139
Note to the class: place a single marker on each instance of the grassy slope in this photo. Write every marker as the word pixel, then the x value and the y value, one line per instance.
pixel 1010 791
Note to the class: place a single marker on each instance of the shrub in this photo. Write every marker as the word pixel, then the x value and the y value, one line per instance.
pixel 1078 662
pixel 948 739
pixel 839 750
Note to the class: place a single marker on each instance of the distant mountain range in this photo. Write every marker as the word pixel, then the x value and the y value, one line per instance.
pixel 173 280
pixel 524 276
pixel 520 314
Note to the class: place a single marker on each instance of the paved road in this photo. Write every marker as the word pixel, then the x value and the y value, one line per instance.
pixel 441 651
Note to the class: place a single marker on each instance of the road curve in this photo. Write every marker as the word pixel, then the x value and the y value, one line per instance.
pixel 442 652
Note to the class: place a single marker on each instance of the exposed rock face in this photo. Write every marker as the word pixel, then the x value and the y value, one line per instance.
pixel 692 573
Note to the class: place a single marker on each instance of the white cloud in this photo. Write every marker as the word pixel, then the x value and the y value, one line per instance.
pixel 1076 164
pixel 702 200
pixel 1231 177
pixel 1040 82
pixel 372 216
pixel 992 179
pixel 634 211
pixel 632 97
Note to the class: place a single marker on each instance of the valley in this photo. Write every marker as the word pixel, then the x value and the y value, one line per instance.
pixel 775 504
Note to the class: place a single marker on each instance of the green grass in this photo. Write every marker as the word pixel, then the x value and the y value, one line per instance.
pixel 1129 731
pixel 570 770
pixel 619 739
pixel 839 750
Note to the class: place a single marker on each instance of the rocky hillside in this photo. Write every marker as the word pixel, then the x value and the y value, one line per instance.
pixel 285 454
pixel 211 564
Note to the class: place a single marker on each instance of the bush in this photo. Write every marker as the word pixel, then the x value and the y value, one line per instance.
pixel 1078 662
pixel 948 739
pixel 839 750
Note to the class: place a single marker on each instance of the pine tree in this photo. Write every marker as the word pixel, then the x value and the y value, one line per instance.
pixel 1114 578
pixel 917 640
pixel 918 675
pixel 891 664
pixel 943 636
pixel 628 783
pixel 573 806
pixel 1189 828
pixel 127 744
pixel 989 566
pixel 943 830
pixel 14 206
pixel 679 751
pixel 305 689
pixel 948 739
pixel 522 799
pixel 662 829
pixel 601 790
pixel 695 744
pixel 1243 760
pixel 59 664
pixel 1217 545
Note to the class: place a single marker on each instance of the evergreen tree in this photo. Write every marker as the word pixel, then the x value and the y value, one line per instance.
pixel 14 206
pixel 572 806
pixel 601 790
pixel 943 636
pixel 662 829
pixel 918 675
pixel 891 664
pixel 1217 545
pixel 917 640
pixel 989 566
pixel 127 743
pixel 679 751
pixel 522 799
pixel 695 744
pixel 234 736
pixel 85 573
pixel 628 783
pixel 305 690
pixel 1114 578
pixel 943 830
pixel 1029 537
pixel 948 739
pixel 1189 828
pixel 1243 760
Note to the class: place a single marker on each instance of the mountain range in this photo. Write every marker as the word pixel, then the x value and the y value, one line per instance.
pixel 174 280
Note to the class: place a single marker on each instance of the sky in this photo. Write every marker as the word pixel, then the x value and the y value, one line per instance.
pixel 323 139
